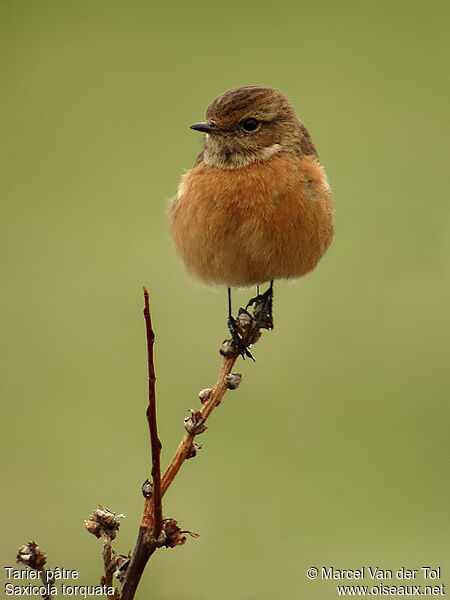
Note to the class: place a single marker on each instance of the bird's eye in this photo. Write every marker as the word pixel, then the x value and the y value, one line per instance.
pixel 249 125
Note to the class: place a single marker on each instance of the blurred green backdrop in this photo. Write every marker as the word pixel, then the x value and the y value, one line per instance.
pixel 339 455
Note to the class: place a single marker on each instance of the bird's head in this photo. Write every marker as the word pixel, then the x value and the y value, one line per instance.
pixel 250 124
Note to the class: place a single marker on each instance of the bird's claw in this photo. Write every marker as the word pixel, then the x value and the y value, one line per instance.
pixel 262 311
pixel 237 340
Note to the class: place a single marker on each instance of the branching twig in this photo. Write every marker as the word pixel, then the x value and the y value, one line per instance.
pixel 154 531
pixel 146 546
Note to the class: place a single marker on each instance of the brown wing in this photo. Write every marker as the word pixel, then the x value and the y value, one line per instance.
pixel 306 145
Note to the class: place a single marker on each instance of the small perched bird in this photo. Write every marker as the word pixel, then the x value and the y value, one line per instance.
pixel 256 206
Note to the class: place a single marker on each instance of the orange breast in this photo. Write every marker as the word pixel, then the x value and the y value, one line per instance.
pixel 245 226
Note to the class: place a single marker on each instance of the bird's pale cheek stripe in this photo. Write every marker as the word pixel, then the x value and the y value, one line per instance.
pixel 268 152
pixel 239 159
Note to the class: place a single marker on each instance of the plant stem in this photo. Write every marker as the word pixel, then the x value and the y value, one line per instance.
pixel 156 505
pixel 185 446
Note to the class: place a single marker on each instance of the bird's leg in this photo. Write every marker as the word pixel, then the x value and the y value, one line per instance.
pixel 263 308
pixel 236 338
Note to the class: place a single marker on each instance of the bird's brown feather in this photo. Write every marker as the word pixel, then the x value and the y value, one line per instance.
pixel 267 220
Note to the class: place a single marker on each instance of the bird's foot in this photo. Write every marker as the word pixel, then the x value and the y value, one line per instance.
pixel 262 310
pixel 236 339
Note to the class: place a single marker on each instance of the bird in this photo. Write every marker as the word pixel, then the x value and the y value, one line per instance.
pixel 256 206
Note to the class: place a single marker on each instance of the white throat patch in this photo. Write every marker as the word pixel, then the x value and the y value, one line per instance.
pixel 238 159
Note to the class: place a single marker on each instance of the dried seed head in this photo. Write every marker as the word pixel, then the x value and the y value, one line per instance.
pixel 122 563
pixel 228 349
pixel 103 523
pixel 32 556
pixel 262 313
pixel 254 337
pixel 147 488
pixel 204 394
pixel 233 380
pixel 174 535
pixel 193 450
pixel 244 321
pixel 195 423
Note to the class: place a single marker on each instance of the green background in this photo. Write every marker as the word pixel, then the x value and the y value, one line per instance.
pixel 334 451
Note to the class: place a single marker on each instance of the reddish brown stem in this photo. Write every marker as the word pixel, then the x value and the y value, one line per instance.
pixel 156 504
pixel 185 446
pixel 151 523
pixel 142 552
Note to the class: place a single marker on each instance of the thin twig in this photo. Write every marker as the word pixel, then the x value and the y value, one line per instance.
pixel 214 398
pixel 149 538
pixel 185 447
pixel 47 585
pixel 156 505
pixel 151 523
pixel 109 565
pixel 145 547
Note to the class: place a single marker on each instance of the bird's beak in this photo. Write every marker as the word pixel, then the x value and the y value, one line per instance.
pixel 206 127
